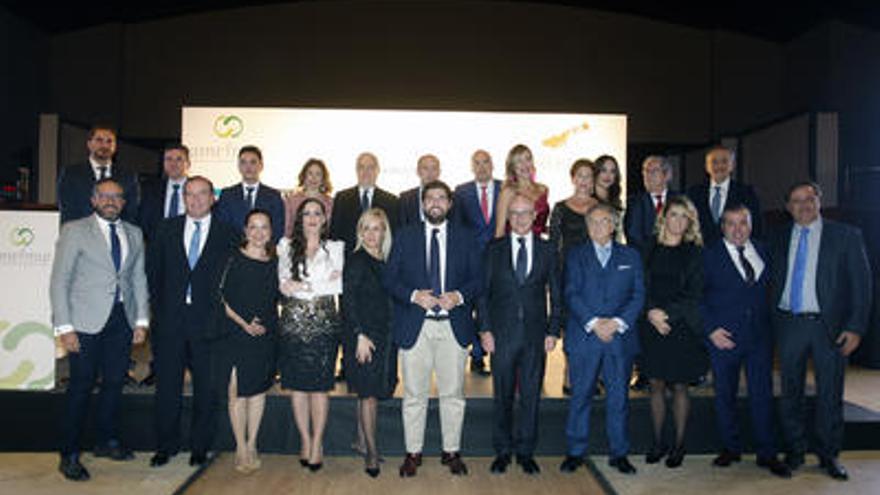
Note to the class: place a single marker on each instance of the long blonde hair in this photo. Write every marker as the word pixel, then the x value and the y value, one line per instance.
pixel 692 234
pixel 374 214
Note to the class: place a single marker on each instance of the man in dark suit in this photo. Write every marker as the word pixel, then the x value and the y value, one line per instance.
pixel 475 207
pixel 410 204
pixel 604 293
pixel 736 322
pixel 99 293
pixel 184 266
pixel 821 289
pixel 520 270
pixel 77 182
pixel 642 209
pixel 238 200
pixel 710 198
pixel 348 204
pixel 433 276
pixel 163 198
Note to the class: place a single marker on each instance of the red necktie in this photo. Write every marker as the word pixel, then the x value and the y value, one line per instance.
pixel 659 206
pixel 484 204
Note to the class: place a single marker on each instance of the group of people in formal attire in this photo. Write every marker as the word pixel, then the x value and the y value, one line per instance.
pixel 254 287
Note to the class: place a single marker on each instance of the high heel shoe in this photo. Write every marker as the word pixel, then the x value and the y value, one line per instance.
pixel 254 462
pixel 315 467
pixel 656 453
pixel 373 472
pixel 303 462
pixel 676 457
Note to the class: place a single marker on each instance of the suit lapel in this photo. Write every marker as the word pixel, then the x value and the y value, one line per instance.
pixel 132 245
pixel 100 242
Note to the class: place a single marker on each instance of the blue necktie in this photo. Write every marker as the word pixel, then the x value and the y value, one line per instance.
pixel 796 297
pixel 522 261
pixel 174 204
pixel 434 269
pixel 115 253
pixel 192 255
pixel 716 204
pixel 604 255
pixel 249 197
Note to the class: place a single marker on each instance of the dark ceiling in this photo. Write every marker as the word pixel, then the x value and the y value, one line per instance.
pixel 776 21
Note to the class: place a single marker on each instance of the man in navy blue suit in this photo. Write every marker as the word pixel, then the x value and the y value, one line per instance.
pixel 737 324
pixel 238 200
pixel 604 293
pixel 410 203
pixel 77 182
pixel 433 276
pixel 642 209
pixel 475 207
pixel 163 198
pixel 711 197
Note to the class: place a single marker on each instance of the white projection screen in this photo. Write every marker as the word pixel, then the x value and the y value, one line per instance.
pixel 290 136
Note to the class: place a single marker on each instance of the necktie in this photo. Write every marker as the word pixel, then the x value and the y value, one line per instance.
pixel 115 253
pixel 365 201
pixel 102 172
pixel 434 269
pixel 484 204
pixel 659 207
pixel 192 256
pixel 796 297
pixel 747 267
pixel 716 204
pixel 174 204
pixel 249 196
pixel 604 255
pixel 522 261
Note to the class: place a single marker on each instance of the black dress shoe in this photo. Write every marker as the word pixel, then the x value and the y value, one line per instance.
pixel 622 464
pixel 315 467
pixel 115 451
pixel 372 472
pixel 528 465
pixel 478 366
pixel 453 461
pixel 794 460
pixel 775 466
pixel 656 453
pixel 566 390
pixel 571 463
pixel 149 380
pixel 71 468
pixel 499 465
pixel 834 468
pixel 727 457
pixel 159 459
pixel 198 458
pixel 676 457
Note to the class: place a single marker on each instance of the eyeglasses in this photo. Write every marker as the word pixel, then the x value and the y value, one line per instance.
pixel 110 196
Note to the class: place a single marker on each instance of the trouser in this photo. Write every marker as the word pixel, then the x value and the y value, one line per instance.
pixel 517 366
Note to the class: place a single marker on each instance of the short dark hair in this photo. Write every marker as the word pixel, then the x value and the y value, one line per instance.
pixel 106 180
pixel 177 146
pixel 734 208
pixel 201 178
pixel 436 184
pixel 803 183
pixel 100 127
pixel 251 149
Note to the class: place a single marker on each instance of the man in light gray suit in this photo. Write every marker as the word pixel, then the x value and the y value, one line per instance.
pixel 99 293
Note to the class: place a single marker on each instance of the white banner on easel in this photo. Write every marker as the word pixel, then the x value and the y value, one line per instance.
pixel 27 343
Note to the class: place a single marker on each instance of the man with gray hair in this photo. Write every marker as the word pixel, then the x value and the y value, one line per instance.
pixel 642 208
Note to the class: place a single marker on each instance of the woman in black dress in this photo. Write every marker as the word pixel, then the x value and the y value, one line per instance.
pixel 671 332
pixel 371 357
pixel 606 176
pixel 245 354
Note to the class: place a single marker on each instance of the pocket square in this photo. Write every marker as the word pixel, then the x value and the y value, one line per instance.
pixel 624 267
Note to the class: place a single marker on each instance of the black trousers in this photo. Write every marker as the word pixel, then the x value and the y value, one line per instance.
pixel 799 338
pixel 106 353
pixel 516 366
pixel 176 354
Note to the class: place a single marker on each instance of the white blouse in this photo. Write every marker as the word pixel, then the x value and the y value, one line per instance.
pixel 326 262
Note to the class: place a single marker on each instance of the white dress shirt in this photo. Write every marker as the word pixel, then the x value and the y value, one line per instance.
pixel 654 198
pixel 751 255
pixel 324 269
pixel 169 192
pixel 441 240
pixel 370 191
pixel 97 170
pixel 810 301
pixel 514 250
pixel 725 187
pixel 490 195
pixel 255 186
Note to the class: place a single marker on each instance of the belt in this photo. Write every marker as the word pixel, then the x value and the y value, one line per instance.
pixel 437 317
pixel 801 316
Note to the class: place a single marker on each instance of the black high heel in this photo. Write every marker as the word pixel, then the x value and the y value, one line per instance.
pixel 373 472
pixel 656 453
pixel 315 467
pixel 303 462
pixel 676 457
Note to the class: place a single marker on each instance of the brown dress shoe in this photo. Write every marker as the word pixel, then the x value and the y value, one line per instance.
pixel 410 465
pixel 453 461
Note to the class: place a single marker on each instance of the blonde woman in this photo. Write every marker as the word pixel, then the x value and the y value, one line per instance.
pixel 671 331
pixel 520 171
pixel 371 357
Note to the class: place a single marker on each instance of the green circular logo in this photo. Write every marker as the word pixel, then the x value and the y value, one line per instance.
pixel 228 126
pixel 21 236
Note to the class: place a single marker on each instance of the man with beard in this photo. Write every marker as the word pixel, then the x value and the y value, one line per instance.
pixel 99 293
pixel 433 276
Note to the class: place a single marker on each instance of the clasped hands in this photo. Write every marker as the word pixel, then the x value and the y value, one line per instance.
pixel 606 329
pixel 427 300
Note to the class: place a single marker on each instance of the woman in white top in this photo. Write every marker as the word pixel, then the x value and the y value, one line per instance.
pixel 310 275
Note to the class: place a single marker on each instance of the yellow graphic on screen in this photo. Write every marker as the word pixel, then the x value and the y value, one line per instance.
pixel 559 140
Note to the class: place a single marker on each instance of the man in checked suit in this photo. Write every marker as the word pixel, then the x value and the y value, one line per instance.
pixel 519 272
pixel 186 260
pixel 238 200
pixel 722 189
pixel 821 289
pixel 99 293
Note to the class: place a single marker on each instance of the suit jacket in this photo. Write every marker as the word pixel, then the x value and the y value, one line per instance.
pixel 347 212
pixel 83 285
pixel 232 208
pixel 466 209
pixel 152 206
pixel 737 193
pixel 730 303
pixel 75 186
pixel 639 219
pixel 169 275
pixel 409 207
pixel 591 291
pixel 517 313
pixel 843 276
pixel 407 271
